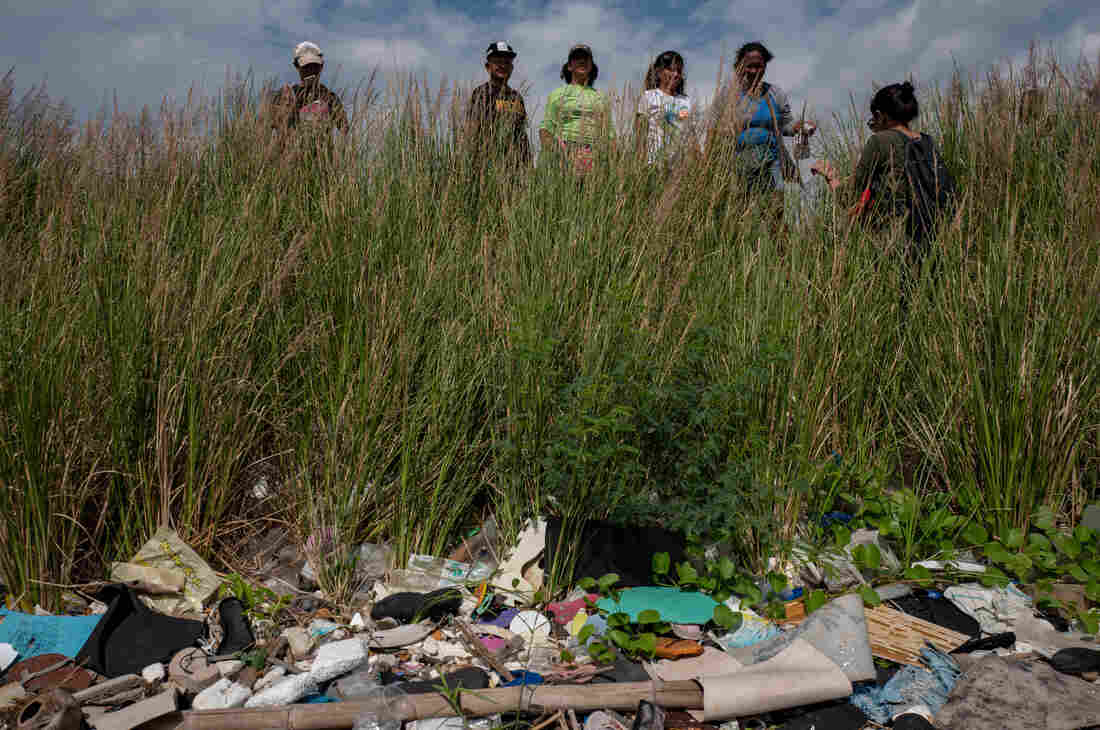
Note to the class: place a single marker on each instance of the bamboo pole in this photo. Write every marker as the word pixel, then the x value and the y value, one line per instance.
pixel 476 703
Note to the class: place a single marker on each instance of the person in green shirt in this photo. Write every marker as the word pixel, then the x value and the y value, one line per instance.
pixel 578 118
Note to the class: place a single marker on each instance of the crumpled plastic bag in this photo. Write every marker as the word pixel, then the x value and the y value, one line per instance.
pixel 168 553
pixel 996 609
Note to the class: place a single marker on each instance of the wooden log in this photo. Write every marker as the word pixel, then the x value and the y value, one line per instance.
pixel 108 692
pixel 475 703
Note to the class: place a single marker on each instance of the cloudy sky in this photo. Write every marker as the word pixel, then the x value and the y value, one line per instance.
pixel 142 50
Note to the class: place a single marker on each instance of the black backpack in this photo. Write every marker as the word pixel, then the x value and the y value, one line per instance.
pixel 932 188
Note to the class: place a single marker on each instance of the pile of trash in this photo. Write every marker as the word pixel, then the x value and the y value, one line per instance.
pixel 466 641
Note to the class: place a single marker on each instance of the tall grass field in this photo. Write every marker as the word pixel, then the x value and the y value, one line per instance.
pixel 206 324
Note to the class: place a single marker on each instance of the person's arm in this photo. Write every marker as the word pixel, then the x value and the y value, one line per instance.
pixel 475 113
pixel 641 127
pixel 340 117
pixel 550 127
pixel 784 118
pixel 521 132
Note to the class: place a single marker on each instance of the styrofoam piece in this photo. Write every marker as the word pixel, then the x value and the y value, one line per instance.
pixel 357 621
pixel 222 695
pixel 272 676
pixel 153 672
pixel 284 692
pixel 338 657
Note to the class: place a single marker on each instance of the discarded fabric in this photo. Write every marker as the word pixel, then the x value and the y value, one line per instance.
pixel 929 685
pixel 130 636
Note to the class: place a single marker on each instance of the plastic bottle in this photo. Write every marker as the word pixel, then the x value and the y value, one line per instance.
pixel 388 705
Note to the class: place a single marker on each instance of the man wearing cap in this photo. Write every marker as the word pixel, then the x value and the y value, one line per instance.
pixel 310 103
pixel 497 118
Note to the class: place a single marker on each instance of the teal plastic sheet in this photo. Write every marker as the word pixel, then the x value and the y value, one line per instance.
pixel 674 605
pixel 33 635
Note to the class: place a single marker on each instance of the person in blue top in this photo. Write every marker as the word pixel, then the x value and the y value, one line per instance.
pixel 751 117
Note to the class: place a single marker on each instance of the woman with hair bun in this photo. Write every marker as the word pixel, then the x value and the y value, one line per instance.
pixel 665 112
pixel 900 172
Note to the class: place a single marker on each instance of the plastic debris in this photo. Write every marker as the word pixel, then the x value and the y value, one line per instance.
pixel 388 709
pixel 154 672
pixel 674 605
pixel 838 630
pixel 29 635
pixel 996 609
pixel 165 550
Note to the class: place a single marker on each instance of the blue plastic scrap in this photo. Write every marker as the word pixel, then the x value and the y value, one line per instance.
pixel 928 685
pixel 32 635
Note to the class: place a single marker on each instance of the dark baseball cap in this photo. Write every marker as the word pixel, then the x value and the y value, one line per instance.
pixel 500 48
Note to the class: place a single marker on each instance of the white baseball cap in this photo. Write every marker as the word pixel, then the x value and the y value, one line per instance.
pixel 306 53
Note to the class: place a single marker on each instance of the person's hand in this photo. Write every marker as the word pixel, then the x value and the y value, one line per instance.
pixel 827 171
pixel 806 128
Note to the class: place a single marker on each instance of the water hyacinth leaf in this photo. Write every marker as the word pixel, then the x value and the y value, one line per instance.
pixel 1038 541
pixel 1013 538
pixel 1092 591
pixel 994 577
pixel 975 534
pixel 606 582
pixel 1082 534
pixel 1044 519
pixel 1067 546
pixel 867 557
pixel 1078 573
pixel 661 563
pixel 816 600
pixel 726 569
pixel 918 573
pixel 687 573
pixel 618 619
pixel 777 581
pixel 586 584
pixel 870 596
pixel 1089 621
pixel 646 644
pixel 649 616
pixel 841 536
pixel 586 633
pixel 619 638
pixel 727 619
pixel 1092 566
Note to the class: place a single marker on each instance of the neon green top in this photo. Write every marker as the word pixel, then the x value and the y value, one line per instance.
pixel 577 113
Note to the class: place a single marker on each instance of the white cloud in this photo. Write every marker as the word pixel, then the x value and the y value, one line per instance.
pixel 824 51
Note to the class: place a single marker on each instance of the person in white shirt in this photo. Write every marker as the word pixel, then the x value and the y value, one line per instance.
pixel 664 122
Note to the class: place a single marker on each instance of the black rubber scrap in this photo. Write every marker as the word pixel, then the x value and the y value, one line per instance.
pixel 838 717
pixel 409 607
pixel 236 631
pixel 988 643
pixel 1076 661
